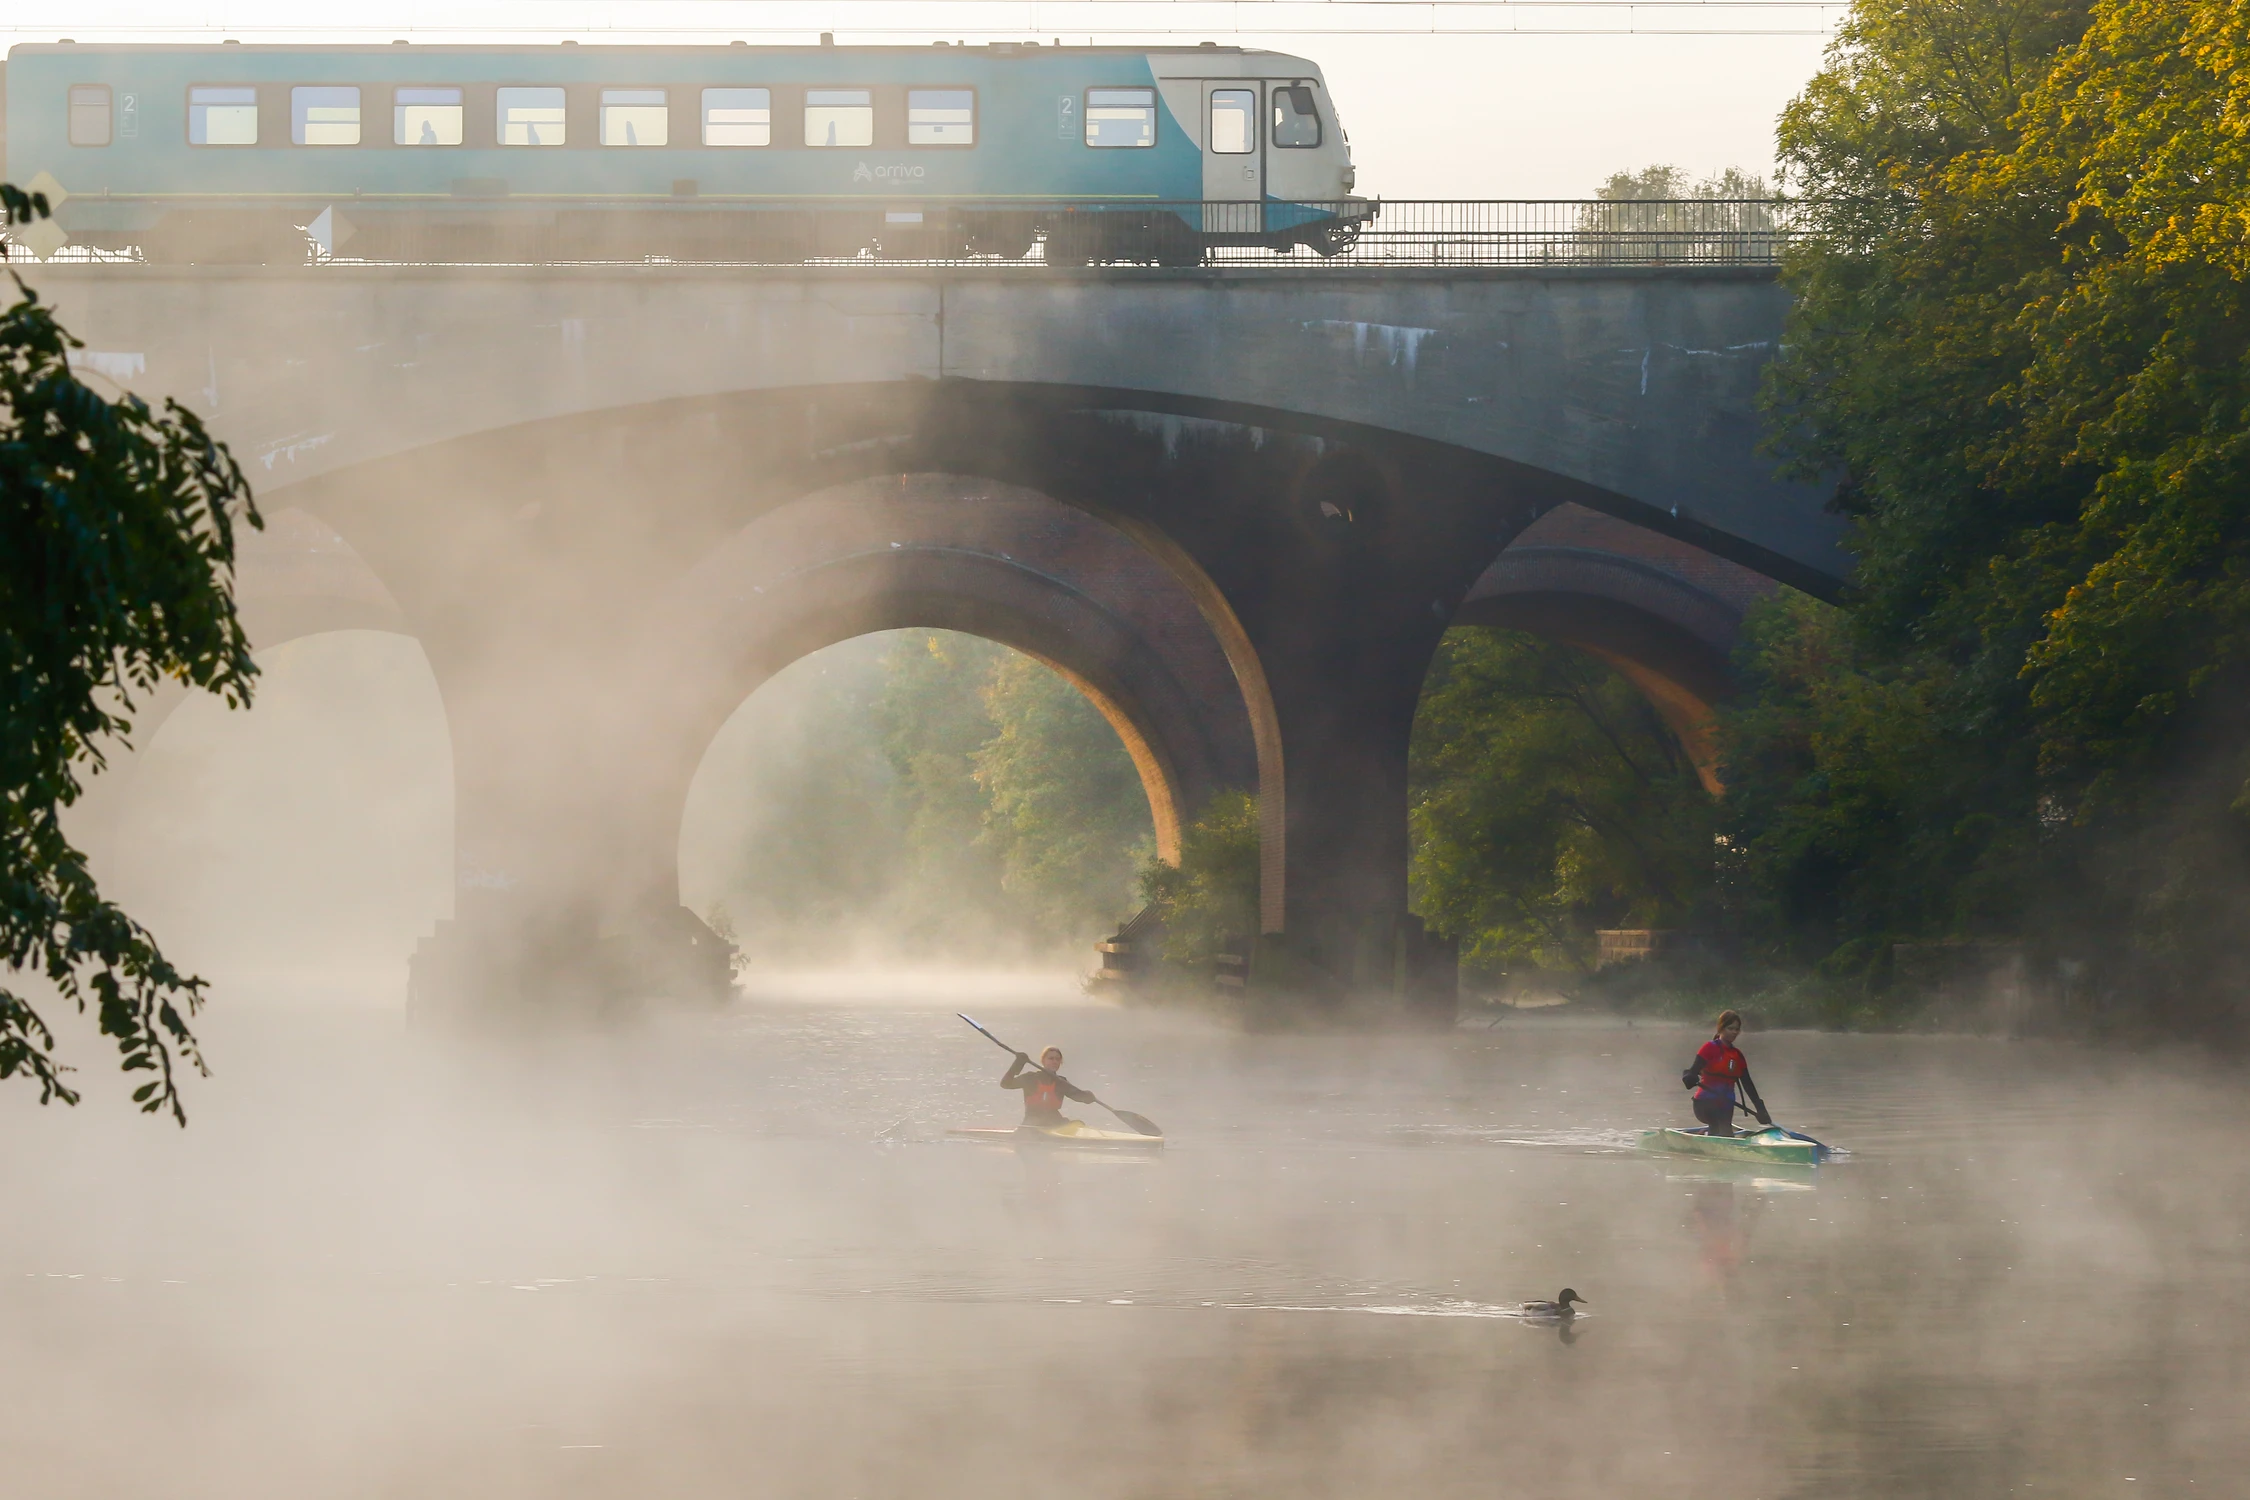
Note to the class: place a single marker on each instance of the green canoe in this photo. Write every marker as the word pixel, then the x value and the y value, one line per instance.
pixel 1069 1133
pixel 1772 1144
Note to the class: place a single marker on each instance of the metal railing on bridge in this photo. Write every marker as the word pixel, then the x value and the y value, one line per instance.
pixel 1029 235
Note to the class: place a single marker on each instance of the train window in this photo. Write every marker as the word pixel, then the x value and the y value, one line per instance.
pixel 531 117
pixel 222 116
pixel 635 117
pixel 324 116
pixel 1296 122
pixel 941 117
pixel 1234 117
pixel 839 117
pixel 1120 117
pixel 737 117
pixel 426 117
pixel 89 114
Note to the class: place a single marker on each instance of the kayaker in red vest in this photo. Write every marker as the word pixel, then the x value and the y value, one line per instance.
pixel 1718 1070
pixel 1044 1087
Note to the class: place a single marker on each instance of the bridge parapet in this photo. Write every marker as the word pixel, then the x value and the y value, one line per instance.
pixel 1017 233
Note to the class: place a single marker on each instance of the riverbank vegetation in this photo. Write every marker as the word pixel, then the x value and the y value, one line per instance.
pixel 2020 340
pixel 1549 801
pixel 2020 352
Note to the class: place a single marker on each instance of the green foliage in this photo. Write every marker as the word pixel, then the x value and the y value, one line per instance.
pixel 1668 182
pixel 933 720
pixel 807 784
pixel 1859 812
pixel 1905 330
pixel 933 794
pixel 116 558
pixel 1548 801
pixel 1064 807
pixel 2020 341
pixel 1210 898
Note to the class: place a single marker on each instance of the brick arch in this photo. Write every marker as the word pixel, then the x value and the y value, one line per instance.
pixel 551 558
pixel 946 552
pixel 293 578
pixel 1664 615
pixel 711 464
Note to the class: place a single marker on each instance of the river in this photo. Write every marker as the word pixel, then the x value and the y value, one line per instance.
pixel 737 1255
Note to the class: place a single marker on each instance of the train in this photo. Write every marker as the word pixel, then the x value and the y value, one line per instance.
pixel 230 153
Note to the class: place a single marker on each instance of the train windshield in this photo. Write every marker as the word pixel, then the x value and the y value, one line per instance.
pixel 1296 122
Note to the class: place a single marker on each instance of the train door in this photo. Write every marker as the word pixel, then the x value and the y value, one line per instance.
pixel 1234 158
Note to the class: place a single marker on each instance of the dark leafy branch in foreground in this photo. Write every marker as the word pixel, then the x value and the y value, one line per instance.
pixel 117 543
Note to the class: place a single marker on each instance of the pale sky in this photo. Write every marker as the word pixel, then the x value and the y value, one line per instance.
pixel 1473 112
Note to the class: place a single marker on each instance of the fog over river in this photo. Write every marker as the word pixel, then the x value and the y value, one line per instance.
pixel 737 1256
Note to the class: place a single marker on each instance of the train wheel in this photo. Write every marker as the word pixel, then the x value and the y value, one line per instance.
pixel 1173 243
pixel 1071 244
pixel 1007 235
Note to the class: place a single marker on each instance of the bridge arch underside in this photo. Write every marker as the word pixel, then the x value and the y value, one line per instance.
pixel 946 552
pixel 1304 571
pixel 1671 639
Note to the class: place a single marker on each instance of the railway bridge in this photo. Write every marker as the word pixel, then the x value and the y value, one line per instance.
pixel 1236 507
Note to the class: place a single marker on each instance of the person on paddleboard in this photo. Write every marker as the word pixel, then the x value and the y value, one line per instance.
pixel 1718 1070
pixel 1044 1088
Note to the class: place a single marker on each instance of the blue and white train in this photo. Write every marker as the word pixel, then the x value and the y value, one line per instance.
pixel 219 153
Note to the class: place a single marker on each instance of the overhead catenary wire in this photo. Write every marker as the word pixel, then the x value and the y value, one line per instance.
pixel 880 21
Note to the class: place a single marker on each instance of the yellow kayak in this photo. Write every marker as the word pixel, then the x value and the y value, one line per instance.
pixel 1068 1133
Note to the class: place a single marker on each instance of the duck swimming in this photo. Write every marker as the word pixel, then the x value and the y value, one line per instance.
pixel 1559 1308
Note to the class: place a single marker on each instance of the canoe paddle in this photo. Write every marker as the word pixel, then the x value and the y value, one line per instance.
pixel 1140 1124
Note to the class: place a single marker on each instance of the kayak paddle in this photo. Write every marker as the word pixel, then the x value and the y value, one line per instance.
pixel 1794 1135
pixel 1140 1124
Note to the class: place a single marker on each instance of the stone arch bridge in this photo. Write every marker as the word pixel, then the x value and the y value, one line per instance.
pixel 1237 509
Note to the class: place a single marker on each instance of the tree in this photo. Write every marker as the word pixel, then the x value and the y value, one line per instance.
pixel 933 719
pixel 1065 809
pixel 116 569
pixel 2018 343
pixel 1662 213
pixel 1852 803
pixel 1019 796
pixel 1548 800
pixel 1664 182
pixel 1210 898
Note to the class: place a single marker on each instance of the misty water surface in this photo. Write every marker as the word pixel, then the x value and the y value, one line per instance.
pixel 737 1256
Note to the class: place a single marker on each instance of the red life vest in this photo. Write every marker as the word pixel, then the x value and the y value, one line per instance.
pixel 1724 1066
pixel 1042 1094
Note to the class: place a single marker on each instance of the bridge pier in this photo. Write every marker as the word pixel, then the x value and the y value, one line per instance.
pixel 1346 938
pixel 1338 569
pixel 562 905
